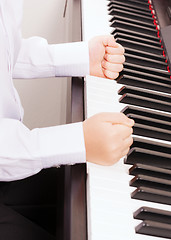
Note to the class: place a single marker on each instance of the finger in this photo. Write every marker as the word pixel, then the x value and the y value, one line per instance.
pixel 128 141
pixel 117 49
pixel 113 67
pixel 115 118
pixel 110 74
pixel 123 131
pixel 114 58
pixel 125 152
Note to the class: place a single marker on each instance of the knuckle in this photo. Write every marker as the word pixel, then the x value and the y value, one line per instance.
pixel 120 67
pixel 115 75
pixel 106 57
pixel 130 130
pixel 122 49
pixel 131 141
pixel 123 58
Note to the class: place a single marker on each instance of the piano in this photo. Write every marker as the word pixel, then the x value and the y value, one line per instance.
pixel 132 199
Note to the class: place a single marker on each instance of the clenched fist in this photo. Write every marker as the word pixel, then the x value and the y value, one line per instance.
pixel 106 57
pixel 107 137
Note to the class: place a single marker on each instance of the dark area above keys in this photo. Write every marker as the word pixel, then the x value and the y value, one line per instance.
pixel 154 229
pixel 148 157
pixel 152 195
pixel 151 182
pixel 161 13
pixel 153 214
pixel 166 39
pixel 149 170
pixel 151 145
pixel 148 113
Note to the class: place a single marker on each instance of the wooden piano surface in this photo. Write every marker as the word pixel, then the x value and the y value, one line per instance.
pixel 75 198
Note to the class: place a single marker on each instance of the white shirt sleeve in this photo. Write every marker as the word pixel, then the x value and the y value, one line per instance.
pixel 24 153
pixel 52 146
pixel 39 59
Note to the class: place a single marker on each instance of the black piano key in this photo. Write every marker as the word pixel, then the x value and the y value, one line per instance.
pixel 132 7
pixel 154 229
pixel 119 7
pixel 135 3
pixel 142 101
pixel 139 39
pixel 149 127
pixel 153 214
pixel 144 98
pixel 131 15
pixel 133 21
pixel 135 33
pixel 148 113
pixel 145 93
pixel 147 170
pixel 146 144
pixel 143 83
pixel 148 157
pixel 133 27
pixel 153 56
pixel 152 195
pixel 149 121
pixel 152 132
pixel 144 75
pixel 143 61
pixel 151 182
pixel 151 71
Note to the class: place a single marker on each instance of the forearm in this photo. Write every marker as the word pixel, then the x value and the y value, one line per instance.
pixel 38 59
pixel 25 152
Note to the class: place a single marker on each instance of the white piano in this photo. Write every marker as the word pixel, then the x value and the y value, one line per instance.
pixel 110 206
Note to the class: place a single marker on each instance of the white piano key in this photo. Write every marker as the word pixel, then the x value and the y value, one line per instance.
pixel 109 198
pixel 90 16
pixel 101 236
pixel 115 231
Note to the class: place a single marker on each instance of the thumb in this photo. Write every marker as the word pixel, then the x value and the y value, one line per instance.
pixel 116 118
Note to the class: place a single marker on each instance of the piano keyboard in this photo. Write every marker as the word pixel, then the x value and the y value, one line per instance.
pixel 131 199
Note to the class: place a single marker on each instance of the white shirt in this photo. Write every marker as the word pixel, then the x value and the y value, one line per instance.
pixel 25 152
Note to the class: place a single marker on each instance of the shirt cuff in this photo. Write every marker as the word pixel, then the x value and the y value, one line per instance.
pixel 71 59
pixel 62 145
